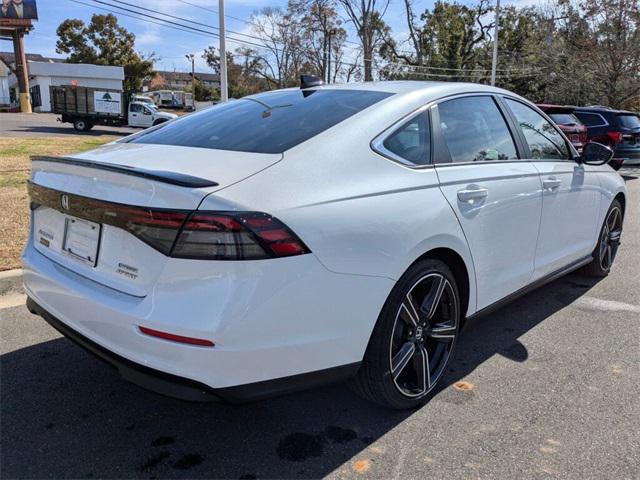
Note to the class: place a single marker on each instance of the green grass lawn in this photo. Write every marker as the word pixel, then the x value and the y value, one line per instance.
pixel 15 168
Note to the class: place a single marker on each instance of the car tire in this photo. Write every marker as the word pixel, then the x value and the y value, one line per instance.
pixel 158 122
pixel 608 241
pixel 81 125
pixel 414 338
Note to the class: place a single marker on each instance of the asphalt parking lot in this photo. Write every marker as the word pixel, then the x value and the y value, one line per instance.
pixel 547 387
pixel 46 124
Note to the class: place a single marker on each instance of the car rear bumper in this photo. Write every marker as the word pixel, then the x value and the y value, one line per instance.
pixel 149 378
pixel 189 390
pixel 277 325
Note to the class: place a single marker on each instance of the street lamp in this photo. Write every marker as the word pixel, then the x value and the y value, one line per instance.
pixel 330 34
pixel 192 57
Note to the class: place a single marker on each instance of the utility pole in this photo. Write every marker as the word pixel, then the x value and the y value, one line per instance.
pixel 224 88
pixel 192 57
pixel 21 71
pixel 495 44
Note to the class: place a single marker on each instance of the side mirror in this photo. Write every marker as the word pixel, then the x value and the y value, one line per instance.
pixel 596 154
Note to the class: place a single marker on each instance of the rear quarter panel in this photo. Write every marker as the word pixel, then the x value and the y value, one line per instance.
pixel 359 213
pixel 611 184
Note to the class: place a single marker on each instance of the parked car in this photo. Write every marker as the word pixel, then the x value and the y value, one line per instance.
pixel 618 129
pixel 162 98
pixel 313 235
pixel 572 127
pixel 142 99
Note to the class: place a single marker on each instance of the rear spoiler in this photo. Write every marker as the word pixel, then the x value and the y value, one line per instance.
pixel 173 178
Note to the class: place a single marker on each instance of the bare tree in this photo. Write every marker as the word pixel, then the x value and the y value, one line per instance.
pixel 366 16
pixel 281 58
pixel 613 49
pixel 415 38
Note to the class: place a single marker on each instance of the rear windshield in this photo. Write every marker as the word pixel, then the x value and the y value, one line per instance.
pixel 629 121
pixel 271 122
pixel 565 119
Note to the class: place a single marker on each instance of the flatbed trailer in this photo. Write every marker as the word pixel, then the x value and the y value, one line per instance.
pixel 85 107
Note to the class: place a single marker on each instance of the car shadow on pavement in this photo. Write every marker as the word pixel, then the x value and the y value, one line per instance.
pixel 64 414
pixel 630 173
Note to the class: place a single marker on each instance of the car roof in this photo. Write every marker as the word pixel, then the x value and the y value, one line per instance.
pixel 550 109
pixel 603 109
pixel 410 86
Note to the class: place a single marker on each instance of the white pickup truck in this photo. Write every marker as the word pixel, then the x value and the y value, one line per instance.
pixel 146 115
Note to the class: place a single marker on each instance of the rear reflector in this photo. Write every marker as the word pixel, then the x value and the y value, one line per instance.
pixel 176 338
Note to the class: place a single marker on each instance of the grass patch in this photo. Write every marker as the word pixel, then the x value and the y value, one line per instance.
pixel 15 169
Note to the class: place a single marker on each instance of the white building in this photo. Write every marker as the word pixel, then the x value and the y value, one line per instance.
pixel 43 75
pixel 5 73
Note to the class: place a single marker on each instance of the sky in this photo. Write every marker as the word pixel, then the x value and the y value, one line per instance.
pixel 171 45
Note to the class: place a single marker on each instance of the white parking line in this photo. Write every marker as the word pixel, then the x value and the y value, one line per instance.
pixel 592 303
pixel 12 300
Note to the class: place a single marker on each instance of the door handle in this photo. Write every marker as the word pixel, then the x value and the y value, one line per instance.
pixel 472 193
pixel 551 183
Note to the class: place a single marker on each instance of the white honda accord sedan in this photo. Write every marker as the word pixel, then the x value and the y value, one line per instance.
pixel 309 235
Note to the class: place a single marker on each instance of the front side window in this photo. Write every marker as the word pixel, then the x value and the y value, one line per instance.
pixel 565 119
pixel 135 107
pixel 545 142
pixel 474 130
pixel 271 122
pixel 412 141
pixel 591 119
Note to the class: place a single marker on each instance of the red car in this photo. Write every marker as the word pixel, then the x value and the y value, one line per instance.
pixel 572 127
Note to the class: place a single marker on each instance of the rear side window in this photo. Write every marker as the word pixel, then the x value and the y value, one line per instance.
pixel 543 139
pixel 565 119
pixel 412 141
pixel 591 119
pixel 271 122
pixel 629 121
pixel 474 130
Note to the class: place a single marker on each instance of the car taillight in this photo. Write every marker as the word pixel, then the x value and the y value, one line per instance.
pixel 236 236
pixel 180 233
pixel 616 137
pixel 157 228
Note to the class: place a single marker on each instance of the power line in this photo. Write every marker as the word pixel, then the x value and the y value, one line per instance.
pixel 189 29
pixel 348 41
pixel 134 17
pixel 180 18
pixel 244 20
pixel 193 29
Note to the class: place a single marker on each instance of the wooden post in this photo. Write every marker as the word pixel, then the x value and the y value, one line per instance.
pixel 21 70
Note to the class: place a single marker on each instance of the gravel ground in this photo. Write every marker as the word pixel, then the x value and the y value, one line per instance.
pixel 547 387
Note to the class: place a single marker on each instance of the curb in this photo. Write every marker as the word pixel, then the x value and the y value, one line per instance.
pixel 11 282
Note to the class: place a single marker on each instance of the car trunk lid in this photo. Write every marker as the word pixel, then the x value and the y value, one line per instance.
pixel 111 214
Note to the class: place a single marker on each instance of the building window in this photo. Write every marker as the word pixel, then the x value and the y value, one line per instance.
pixel 36 100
